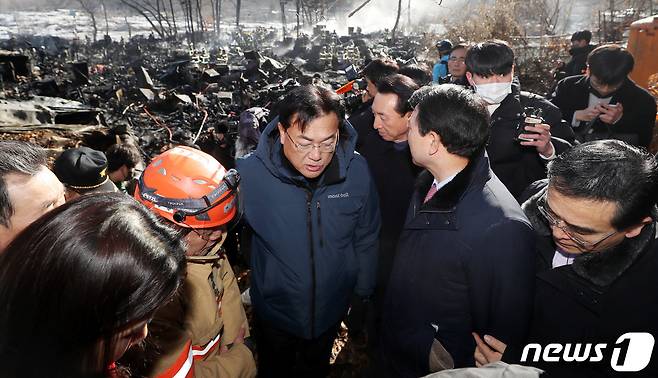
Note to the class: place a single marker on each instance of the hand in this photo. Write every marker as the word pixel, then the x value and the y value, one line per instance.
pixel 542 139
pixel 488 351
pixel 610 114
pixel 365 97
pixel 588 114
pixel 239 339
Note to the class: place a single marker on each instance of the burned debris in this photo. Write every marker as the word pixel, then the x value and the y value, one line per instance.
pixel 164 93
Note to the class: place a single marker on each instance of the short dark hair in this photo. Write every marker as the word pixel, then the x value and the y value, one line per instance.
pixel 610 63
pixel 490 58
pixel 308 102
pixel 21 158
pixel 121 154
pixel 419 73
pixel 456 114
pixel 458 46
pixel 582 35
pixel 609 170
pixel 403 87
pixel 76 277
pixel 379 69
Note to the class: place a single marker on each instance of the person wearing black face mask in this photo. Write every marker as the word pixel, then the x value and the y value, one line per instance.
pixel 604 103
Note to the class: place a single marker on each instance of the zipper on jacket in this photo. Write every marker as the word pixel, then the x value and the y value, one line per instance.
pixel 309 222
pixel 320 225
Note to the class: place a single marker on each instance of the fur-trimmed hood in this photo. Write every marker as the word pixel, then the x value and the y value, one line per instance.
pixel 600 268
pixel 447 198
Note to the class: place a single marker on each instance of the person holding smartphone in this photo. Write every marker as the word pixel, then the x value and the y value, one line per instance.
pixel 604 103
pixel 518 152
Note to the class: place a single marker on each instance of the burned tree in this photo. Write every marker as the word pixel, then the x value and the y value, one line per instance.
pixel 397 19
pixel 216 6
pixel 90 7
pixel 155 12
pixel 238 6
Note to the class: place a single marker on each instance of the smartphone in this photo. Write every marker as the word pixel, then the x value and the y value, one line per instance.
pixel 528 121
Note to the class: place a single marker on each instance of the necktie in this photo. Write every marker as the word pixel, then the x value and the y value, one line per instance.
pixel 430 193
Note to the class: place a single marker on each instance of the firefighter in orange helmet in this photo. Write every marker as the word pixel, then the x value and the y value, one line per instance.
pixel 203 332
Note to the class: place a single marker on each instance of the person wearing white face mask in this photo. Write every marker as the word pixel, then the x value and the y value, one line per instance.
pixel 518 150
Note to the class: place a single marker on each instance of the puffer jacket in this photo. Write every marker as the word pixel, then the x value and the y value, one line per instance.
pixel 313 245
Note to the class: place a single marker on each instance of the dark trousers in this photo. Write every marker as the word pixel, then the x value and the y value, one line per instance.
pixel 281 354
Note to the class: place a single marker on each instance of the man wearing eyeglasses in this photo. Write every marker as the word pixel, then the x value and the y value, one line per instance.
pixel 597 259
pixel 604 103
pixel 314 212
pixel 457 66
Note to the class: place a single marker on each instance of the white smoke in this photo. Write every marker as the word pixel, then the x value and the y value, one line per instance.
pixel 381 14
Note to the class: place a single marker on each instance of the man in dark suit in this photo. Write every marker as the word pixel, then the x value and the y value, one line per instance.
pixel 385 148
pixel 604 103
pixel 597 262
pixel 464 261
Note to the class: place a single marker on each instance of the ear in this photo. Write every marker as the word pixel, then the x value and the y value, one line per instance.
pixel 408 114
pixel 635 230
pixel 513 66
pixel 435 145
pixel 282 132
pixel 587 73
pixel 469 77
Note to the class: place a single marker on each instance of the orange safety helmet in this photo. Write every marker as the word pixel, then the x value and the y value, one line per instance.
pixel 189 188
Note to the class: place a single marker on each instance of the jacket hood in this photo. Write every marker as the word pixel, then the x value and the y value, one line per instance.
pixel 270 152
pixel 602 267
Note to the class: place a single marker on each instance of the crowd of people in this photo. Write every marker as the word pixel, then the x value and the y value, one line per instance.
pixel 459 223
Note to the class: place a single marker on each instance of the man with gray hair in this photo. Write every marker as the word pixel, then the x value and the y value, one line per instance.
pixel 28 189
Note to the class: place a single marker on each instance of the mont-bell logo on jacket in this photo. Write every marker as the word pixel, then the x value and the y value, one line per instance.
pixel 338 195
pixel 632 352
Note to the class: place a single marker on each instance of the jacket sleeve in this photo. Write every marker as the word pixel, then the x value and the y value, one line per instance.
pixel 366 241
pixel 562 135
pixel 172 333
pixel 642 119
pixel 436 72
pixel 232 309
pixel 237 362
pixel 502 273
pixel 560 98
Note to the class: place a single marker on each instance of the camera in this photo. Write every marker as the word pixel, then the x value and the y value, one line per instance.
pixel 360 84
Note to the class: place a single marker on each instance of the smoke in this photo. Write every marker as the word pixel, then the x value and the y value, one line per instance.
pixel 381 14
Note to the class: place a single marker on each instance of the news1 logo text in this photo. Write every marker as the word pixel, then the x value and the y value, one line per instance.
pixel 631 353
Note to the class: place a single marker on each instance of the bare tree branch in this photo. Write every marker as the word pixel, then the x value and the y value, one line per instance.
pixel 397 19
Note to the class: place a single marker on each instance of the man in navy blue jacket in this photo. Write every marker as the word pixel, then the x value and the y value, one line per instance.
pixel 315 217
pixel 465 260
